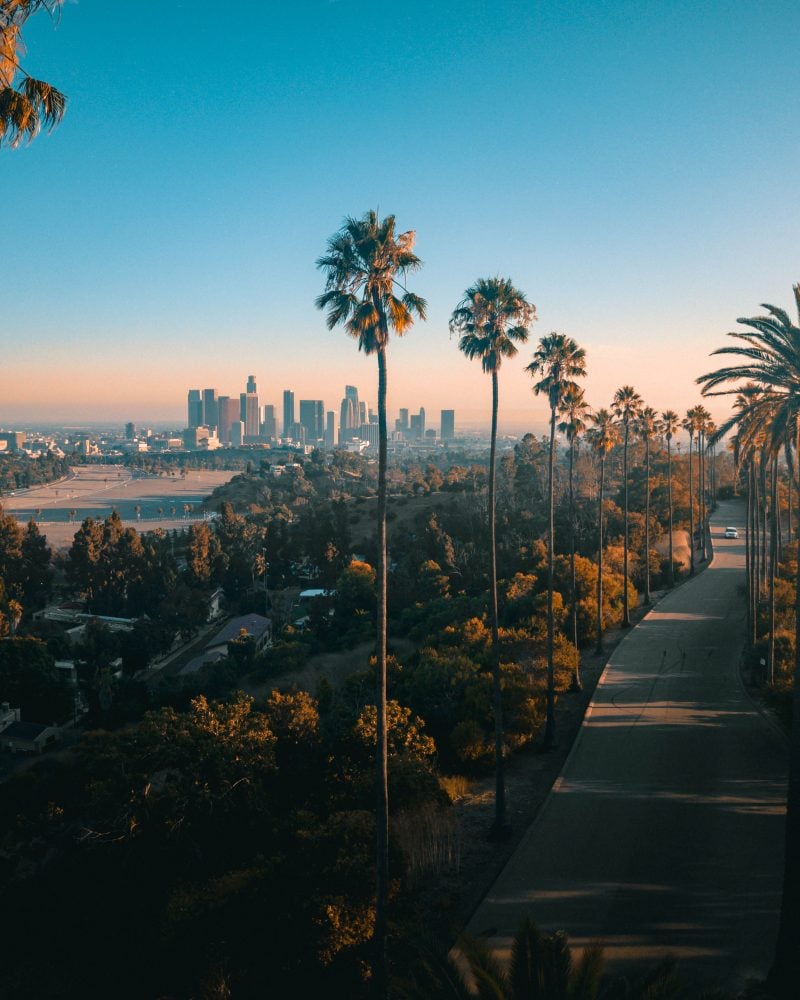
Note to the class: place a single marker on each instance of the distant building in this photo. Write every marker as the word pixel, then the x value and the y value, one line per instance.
pixel 401 424
pixel 249 414
pixel 448 425
pixel 269 423
pixel 195 408
pixel 251 385
pixel 193 437
pixel 237 433
pixel 229 409
pixel 14 440
pixel 312 418
pixel 369 433
pixel 330 430
pixel 130 431
pixel 210 408
pixel 288 412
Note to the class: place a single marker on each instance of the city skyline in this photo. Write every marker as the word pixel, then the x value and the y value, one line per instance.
pixel 624 203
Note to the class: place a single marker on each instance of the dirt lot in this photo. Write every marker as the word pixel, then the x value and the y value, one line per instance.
pixel 93 490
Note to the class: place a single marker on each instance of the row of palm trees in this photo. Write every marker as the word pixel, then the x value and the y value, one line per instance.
pixel 366 266
pixel 764 376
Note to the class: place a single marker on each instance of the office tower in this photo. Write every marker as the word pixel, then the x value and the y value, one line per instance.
pixel 312 417
pixel 251 385
pixel 330 430
pixel 350 392
pixel 237 433
pixel 369 433
pixel 401 424
pixel 130 431
pixel 210 408
pixel 422 421
pixel 248 414
pixel 288 412
pixel 269 423
pixel 195 407
pixel 415 428
pixel 362 413
pixel 348 425
pixel 448 425
pixel 228 411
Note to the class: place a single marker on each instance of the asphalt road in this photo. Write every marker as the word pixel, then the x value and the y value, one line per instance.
pixel 664 832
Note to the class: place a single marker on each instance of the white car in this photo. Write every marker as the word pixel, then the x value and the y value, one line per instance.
pixel 731 533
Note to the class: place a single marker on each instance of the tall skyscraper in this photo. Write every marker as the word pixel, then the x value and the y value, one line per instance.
pixel 269 423
pixel 448 425
pixel 248 414
pixel 348 420
pixel 288 412
pixel 401 424
pixel 422 421
pixel 312 417
pixel 251 385
pixel 330 429
pixel 195 408
pixel 229 410
pixel 130 431
pixel 210 408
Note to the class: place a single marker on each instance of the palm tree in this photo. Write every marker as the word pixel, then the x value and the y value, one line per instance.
pixel 490 320
pixel 32 104
pixel 558 361
pixel 646 424
pixel 575 410
pixel 603 436
pixel 768 354
pixel 688 424
pixel 365 267
pixel 626 405
pixel 669 427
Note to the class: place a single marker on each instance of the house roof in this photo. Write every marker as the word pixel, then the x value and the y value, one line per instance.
pixel 23 731
pixel 197 664
pixel 254 625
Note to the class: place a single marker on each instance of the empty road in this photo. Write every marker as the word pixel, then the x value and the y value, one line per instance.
pixel 664 832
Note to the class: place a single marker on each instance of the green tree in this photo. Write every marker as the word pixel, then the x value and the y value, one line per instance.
pixel 603 435
pixel 557 362
pixel 490 320
pixel 30 105
pixel 626 406
pixel 30 680
pixel 365 269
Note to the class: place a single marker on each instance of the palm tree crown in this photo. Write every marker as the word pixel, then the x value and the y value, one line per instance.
pixel 490 318
pixel 32 104
pixel 364 265
pixel 559 361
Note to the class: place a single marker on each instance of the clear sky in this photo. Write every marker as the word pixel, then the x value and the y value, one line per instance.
pixel 632 166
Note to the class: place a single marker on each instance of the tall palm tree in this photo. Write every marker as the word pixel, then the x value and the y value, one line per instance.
pixel 365 267
pixel 647 424
pixel 557 362
pixel 30 105
pixel 626 406
pixel 768 353
pixel 603 436
pixel 575 410
pixel 669 427
pixel 688 424
pixel 703 422
pixel 492 317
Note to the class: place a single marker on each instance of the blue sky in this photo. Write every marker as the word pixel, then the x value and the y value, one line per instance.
pixel 631 165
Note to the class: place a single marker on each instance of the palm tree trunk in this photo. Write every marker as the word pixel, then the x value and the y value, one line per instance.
pixel 669 496
pixel 600 558
pixel 764 521
pixel 754 559
pixel 500 826
pixel 773 569
pixel 691 511
pixel 382 775
pixel 703 514
pixel 576 677
pixel 647 522
pixel 626 613
pixel 748 538
pixel 785 972
pixel 550 718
